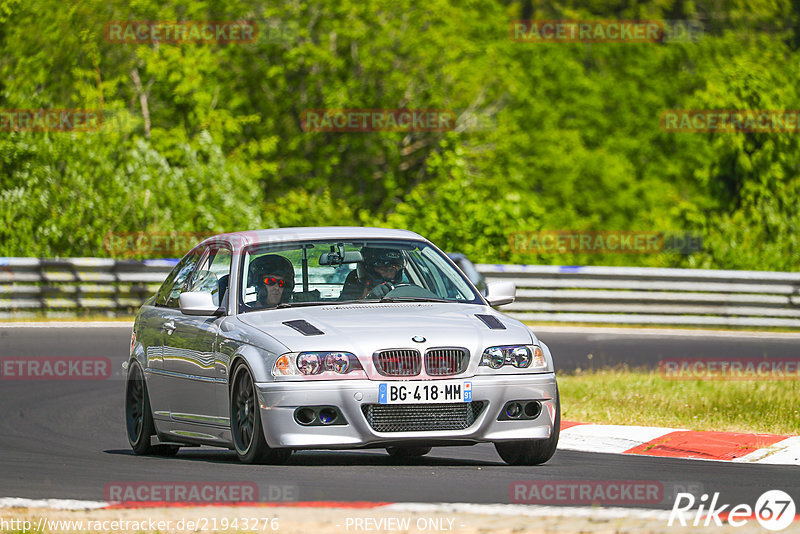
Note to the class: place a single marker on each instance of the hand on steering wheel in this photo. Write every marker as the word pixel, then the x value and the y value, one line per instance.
pixel 381 290
pixel 384 289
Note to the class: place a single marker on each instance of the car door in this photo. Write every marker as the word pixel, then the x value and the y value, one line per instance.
pixel 153 331
pixel 190 348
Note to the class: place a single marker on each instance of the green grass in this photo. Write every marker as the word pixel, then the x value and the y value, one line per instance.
pixel 626 397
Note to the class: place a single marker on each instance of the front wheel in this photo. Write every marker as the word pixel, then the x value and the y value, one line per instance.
pixel 139 418
pixel 532 451
pixel 246 429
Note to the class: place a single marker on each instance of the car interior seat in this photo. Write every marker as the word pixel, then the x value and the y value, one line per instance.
pixel 222 294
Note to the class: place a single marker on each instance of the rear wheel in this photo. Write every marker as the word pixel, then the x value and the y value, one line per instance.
pixel 532 451
pixel 408 452
pixel 248 435
pixel 139 418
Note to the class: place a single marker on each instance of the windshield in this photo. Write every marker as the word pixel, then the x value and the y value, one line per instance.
pixel 324 272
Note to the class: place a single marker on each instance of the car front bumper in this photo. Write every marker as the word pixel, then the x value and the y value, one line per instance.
pixel 279 400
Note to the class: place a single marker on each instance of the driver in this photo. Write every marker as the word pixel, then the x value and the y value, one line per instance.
pixel 273 277
pixel 381 270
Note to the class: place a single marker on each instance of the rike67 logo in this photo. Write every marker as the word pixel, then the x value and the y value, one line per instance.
pixel 774 510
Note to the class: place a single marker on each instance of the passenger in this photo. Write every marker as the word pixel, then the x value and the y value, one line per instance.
pixel 381 269
pixel 273 277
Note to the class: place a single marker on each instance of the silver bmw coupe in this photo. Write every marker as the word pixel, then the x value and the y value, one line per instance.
pixel 272 341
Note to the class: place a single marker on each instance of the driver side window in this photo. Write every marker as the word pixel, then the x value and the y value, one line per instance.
pixel 212 274
pixel 173 285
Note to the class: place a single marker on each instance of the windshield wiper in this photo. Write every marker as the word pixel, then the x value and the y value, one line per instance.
pixel 299 304
pixel 413 299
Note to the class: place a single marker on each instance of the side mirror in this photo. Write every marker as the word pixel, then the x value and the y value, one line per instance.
pixel 499 293
pixel 199 303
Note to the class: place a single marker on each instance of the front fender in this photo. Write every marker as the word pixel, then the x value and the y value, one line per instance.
pixel 239 343
pixel 259 361
pixel 137 351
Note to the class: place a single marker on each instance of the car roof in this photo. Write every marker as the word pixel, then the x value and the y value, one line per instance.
pixel 322 233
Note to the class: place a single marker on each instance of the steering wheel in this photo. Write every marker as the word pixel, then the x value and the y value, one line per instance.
pixel 391 286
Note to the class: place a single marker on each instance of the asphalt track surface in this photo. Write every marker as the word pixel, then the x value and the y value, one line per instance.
pixel 66 439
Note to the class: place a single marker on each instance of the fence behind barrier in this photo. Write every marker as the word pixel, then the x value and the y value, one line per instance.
pixel 31 287
pixel 646 295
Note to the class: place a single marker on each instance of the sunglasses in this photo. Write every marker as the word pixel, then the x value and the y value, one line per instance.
pixel 271 281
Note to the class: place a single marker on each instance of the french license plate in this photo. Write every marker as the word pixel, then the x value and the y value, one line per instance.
pixel 424 392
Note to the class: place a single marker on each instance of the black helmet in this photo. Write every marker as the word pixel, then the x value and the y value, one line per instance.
pixel 382 256
pixel 275 265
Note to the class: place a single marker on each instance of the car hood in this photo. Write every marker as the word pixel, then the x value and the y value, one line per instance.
pixel 364 328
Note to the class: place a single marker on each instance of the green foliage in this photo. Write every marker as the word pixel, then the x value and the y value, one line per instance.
pixel 549 136
pixel 62 193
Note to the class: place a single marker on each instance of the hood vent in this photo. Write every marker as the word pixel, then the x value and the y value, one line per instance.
pixel 491 321
pixel 304 327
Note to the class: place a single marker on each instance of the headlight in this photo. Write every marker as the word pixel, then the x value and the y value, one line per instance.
pixel 494 357
pixel 339 362
pixel 317 365
pixel 309 363
pixel 522 356
pixel 519 356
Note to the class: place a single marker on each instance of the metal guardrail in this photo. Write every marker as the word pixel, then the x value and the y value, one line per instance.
pixel 31 287
pixel 655 296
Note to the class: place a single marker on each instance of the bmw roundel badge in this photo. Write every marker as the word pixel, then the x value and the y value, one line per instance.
pixel 418 339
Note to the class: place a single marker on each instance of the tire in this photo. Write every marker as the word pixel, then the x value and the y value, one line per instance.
pixel 408 452
pixel 532 451
pixel 139 418
pixel 246 430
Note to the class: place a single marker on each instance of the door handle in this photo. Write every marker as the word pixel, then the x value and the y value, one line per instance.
pixel 169 327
